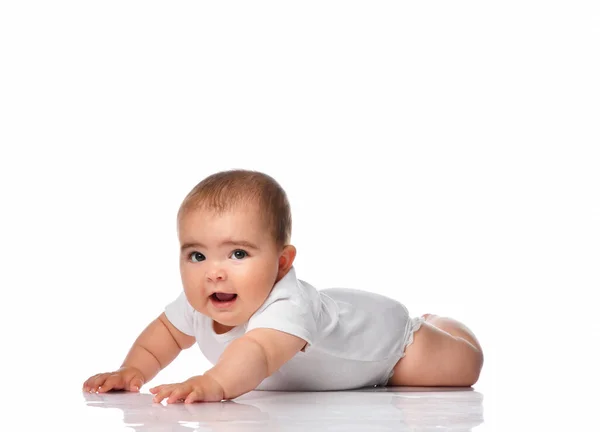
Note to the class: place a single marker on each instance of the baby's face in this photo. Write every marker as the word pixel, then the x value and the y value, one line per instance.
pixel 231 253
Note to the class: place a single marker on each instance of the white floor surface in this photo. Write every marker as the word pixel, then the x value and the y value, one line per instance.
pixel 496 408
pixel 396 409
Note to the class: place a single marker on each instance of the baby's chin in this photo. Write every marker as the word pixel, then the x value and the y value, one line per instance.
pixel 223 327
pixel 231 318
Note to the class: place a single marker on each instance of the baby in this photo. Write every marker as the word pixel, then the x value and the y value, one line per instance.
pixel 263 328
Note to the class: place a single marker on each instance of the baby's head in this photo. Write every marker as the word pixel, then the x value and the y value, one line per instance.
pixel 234 229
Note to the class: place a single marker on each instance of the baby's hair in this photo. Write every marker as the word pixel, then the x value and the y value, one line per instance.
pixel 226 190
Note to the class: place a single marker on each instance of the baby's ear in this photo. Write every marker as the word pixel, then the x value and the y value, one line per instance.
pixel 286 260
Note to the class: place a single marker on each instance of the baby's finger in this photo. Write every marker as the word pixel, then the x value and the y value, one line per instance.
pixel 98 381
pixel 163 393
pixel 112 382
pixel 135 384
pixel 156 389
pixel 194 396
pixel 178 393
pixel 87 385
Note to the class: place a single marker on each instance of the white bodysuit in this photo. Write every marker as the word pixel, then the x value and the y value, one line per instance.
pixel 354 337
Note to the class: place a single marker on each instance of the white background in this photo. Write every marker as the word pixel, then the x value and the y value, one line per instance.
pixel 442 153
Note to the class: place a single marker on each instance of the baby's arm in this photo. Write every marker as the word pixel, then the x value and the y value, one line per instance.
pixel 252 358
pixel 241 368
pixel 157 346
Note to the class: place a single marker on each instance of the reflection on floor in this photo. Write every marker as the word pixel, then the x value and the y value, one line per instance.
pixel 391 408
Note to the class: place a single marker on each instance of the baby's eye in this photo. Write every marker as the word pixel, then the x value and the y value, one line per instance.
pixel 239 254
pixel 196 257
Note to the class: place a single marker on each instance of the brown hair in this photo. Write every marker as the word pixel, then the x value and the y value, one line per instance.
pixel 226 190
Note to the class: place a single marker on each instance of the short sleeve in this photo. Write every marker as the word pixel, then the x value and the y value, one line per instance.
pixel 287 315
pixel 181 314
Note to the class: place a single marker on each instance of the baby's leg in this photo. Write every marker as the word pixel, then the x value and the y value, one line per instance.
pixel 444 352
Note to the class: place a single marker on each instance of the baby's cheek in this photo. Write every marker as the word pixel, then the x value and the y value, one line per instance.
pixel 197 300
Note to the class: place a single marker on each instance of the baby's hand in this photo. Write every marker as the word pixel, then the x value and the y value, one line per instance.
pixel 126 378
pixel 200 388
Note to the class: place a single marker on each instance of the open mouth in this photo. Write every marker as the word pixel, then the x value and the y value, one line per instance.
pixel 222 299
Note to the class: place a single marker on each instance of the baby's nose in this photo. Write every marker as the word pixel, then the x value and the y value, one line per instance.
pixel 216 274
